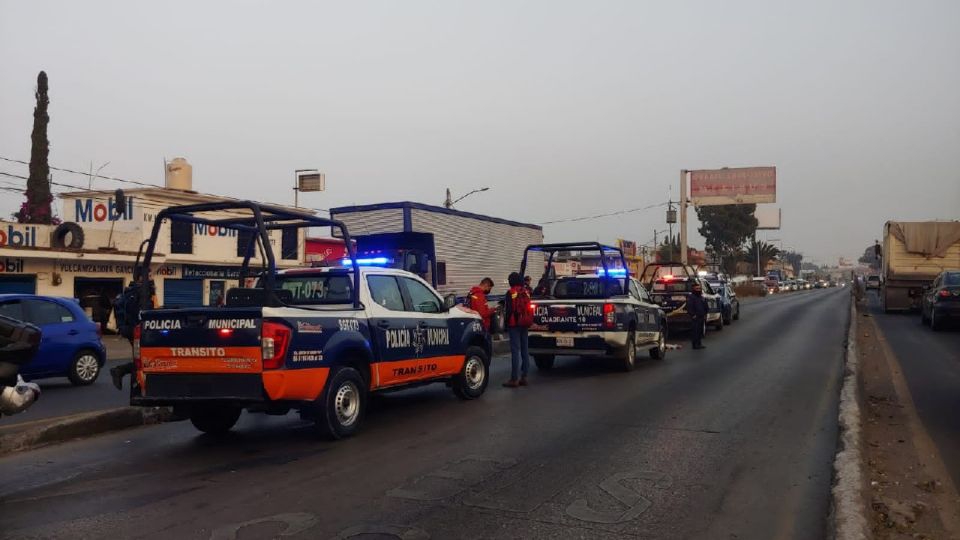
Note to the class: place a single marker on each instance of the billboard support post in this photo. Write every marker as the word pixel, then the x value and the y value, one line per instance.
pixel 683 216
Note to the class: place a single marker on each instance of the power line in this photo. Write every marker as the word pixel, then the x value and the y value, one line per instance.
pixel 609 214
pixel 115 179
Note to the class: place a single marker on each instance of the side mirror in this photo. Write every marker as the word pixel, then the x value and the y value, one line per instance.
pixel 449 301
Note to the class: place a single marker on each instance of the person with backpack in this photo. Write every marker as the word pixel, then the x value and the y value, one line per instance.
pixel 518 319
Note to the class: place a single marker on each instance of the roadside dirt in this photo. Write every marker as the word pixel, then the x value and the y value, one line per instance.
pixel 909 493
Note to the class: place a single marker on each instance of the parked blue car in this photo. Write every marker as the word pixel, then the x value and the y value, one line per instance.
pixel 71 346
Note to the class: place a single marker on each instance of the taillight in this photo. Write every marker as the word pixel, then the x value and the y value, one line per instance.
pixel 943 293
pixel 274 343
pixel 136 347
pixel 609 315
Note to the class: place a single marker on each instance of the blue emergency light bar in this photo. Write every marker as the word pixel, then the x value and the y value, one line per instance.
pixel 612 272
pixel 373 261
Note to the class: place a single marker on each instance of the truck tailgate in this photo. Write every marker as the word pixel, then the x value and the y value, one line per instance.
pixel 201 353
pixel 568 316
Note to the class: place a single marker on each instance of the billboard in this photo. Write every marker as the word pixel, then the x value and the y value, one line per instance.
pixel 628 247
pixel 768 218
pixel 747 185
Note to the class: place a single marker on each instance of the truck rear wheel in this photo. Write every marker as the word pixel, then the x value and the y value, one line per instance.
pixel 544 361
pixel 214 419
pixel 660 351
pixel 629 360
pixel 472 380
pixel 340 410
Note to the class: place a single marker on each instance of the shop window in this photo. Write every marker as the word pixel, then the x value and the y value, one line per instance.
pixel 243 238
pixel 288 244
pixel 181 237
pixel 441 273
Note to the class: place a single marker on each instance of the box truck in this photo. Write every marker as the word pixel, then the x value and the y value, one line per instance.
pixel 913 253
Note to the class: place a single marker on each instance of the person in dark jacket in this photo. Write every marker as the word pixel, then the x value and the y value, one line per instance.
pixel 478 301
pixel 697 308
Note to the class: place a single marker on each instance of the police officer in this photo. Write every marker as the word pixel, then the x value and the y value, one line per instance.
pixel 697 308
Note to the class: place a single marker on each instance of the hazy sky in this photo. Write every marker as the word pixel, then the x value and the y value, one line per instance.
pixel 563 109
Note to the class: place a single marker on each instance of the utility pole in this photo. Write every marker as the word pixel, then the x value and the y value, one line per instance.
pixel 449 202
pixel 683 216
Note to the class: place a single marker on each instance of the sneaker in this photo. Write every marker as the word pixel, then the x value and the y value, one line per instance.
pixel 511 384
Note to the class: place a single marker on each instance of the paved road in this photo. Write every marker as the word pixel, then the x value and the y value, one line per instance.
pixel 735 441
pixel 59 397
pixel 930 362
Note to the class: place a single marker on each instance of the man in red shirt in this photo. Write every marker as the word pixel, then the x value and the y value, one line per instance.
pixel 478 301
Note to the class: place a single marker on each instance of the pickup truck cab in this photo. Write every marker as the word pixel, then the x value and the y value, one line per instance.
pixel 670 284
pixel 316 340
pixel 605 313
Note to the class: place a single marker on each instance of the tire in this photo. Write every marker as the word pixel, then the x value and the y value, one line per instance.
pixel 935 325
pixel 474 376
pixel 59 237
pixel 84 369
pixel 341 407
pixel 923 317
pixel 214 419
pixel 544 361
pixel 718 326
pixel 736 316
pixel 727 318
pixel 660 351
pixel 629 360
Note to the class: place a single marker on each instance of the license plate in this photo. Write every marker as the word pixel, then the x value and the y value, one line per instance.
pixel 564 342
pixel 679 298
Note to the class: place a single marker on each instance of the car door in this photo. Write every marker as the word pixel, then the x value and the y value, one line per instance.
pixel 389 328
pixel 646 314
pixel 434 347
pixel 60 339
pixel 15 310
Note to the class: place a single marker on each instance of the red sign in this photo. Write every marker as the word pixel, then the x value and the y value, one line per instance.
pixel 325 249
pixel 749 185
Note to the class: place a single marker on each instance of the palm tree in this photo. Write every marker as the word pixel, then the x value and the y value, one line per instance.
pixel 768 252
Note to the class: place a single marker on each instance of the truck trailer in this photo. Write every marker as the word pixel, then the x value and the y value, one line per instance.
pixel 451 249
pixel 913 254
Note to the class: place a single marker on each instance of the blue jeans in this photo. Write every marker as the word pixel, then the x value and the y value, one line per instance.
pixel 519 358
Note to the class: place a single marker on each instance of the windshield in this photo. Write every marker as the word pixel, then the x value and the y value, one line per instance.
pixel 327 288
pixel 951 279
pixel 579 288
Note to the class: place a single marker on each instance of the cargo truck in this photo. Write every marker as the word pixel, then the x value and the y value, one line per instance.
pixel 450 249
pixel 913 254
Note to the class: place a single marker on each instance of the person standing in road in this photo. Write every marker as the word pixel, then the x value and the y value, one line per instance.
pixel 697 308
pixel 478 301
pixel 519 317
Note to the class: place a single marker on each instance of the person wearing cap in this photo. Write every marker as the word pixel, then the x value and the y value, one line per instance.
pixel 697 308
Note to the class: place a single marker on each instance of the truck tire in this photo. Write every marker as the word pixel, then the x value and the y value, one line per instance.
pixel 341 407
pixel 59 237
pixel 660 351
pixel 629 359
pixel 736 316
pixel 474 376
pixel 727 317
pixel 935 325
pixel 718 326
pixel 214 419
pixel 544 361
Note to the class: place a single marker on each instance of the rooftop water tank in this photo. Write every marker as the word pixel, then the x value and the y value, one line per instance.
pixel 179 175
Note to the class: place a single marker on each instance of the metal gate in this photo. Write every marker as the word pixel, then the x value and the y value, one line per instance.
pixel 182 293
pixel 18 285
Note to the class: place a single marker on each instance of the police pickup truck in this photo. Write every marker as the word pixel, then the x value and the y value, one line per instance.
pixel 605 313
pixel 670 284
pixel 316 340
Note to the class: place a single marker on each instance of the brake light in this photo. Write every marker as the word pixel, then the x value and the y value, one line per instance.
pixel 226 332
pixel 943 293
pixel 533 308
pixel 274 343
pixel 609 315
pixel 136 347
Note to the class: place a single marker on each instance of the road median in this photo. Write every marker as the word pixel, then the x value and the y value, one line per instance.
pixel 29 435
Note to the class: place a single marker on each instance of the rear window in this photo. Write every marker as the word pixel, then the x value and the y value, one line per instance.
pixel 651 273
pixel 952 279
pixel 575 288
pixel 671 286
pixel 318 289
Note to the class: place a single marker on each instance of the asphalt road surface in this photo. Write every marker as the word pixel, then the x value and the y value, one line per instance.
pixel 735 441
pixel 930 362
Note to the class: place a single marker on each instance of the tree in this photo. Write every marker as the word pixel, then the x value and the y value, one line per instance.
pixel 669 249
pixel 37 208
pixel 870 257
pixel 794 259
pixel 768 252
pixel 726 227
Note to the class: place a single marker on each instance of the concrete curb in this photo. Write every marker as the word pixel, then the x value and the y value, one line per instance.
pixel 31 435
pixel 849 507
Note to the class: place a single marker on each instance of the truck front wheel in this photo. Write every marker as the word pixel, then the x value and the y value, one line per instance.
pixel 214 419
pixel 342 406
pixel 472 380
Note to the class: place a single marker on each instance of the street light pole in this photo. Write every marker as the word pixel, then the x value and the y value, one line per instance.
pixel 449 203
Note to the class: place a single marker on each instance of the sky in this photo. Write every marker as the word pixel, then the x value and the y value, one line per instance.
pixel 562 109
